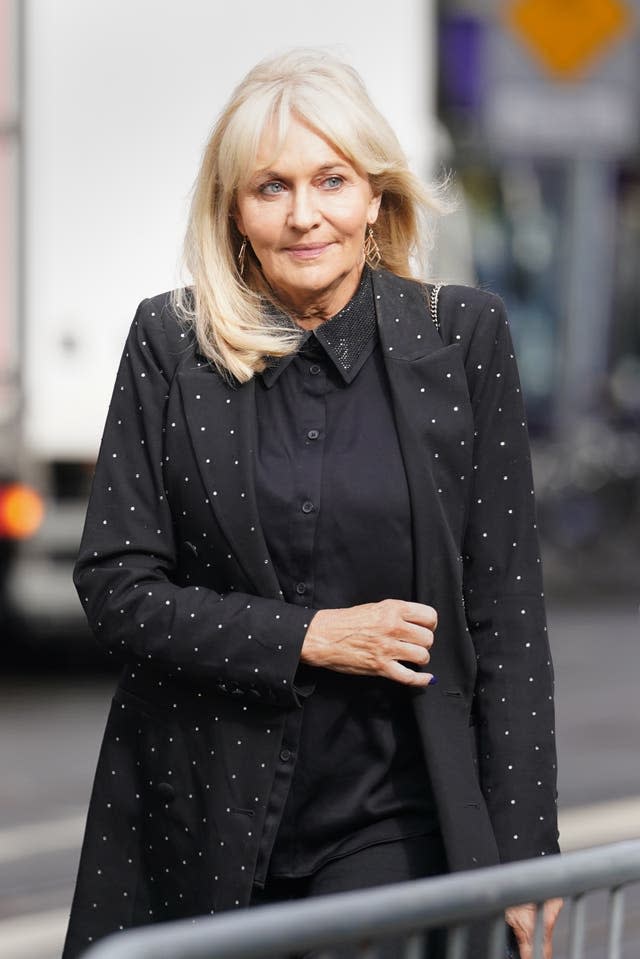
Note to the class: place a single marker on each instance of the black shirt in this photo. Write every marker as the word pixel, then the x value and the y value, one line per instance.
pixel 335 509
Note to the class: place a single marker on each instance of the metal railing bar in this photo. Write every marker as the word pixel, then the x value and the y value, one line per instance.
pixel 616 922
pixel 457 939
pixel 497 939
pixel 400 909
pixel 577 928
pixel 538 932
pixel 414 947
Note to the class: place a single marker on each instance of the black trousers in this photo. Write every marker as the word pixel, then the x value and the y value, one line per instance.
pixel 379 865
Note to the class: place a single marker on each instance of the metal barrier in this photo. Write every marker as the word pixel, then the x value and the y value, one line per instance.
pixel 357 921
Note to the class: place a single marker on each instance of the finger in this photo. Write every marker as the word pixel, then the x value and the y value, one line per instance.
pixel 522 920
pixel 410 653
pixel 418 635
pixel 552 909
pixel 525 946
pixel 408 677
pixel 420 613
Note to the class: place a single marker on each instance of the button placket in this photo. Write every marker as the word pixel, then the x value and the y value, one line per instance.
pixel 308 478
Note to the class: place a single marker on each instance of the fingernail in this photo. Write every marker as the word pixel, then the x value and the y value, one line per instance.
pixel 433 681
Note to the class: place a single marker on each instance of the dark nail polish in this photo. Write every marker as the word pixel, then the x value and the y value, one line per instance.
pixel 433 681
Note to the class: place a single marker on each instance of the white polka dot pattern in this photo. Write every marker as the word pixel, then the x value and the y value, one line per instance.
pixel 458 399
pixel 176 581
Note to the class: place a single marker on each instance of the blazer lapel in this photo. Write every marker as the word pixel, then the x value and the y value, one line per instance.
pixel 435 429
pixel 221 421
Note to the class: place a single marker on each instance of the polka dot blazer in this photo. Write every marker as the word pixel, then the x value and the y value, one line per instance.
pixel 177 584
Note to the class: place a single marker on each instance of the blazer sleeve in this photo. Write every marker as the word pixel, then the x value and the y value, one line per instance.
pixel 504 603
pixel 126 569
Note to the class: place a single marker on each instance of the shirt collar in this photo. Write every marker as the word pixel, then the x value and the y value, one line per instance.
pixel 348 338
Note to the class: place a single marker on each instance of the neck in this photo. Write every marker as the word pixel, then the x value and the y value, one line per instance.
pixel 323 306
pixel 311 319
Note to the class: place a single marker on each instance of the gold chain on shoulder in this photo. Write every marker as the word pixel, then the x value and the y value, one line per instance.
pixel 433 305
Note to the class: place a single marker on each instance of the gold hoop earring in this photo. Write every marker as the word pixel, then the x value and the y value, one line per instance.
pixel 371 249
pixel 241 256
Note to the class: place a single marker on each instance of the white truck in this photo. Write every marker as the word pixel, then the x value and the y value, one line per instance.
pixel 105 109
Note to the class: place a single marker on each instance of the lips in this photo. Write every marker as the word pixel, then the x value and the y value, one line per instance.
pixel 307 251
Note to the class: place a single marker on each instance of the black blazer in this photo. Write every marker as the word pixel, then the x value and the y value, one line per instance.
pixel 176 579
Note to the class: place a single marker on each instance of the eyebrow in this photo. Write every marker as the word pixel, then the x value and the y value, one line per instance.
pixel 260 175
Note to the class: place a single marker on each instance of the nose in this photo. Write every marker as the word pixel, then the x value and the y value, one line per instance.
pixel 303 213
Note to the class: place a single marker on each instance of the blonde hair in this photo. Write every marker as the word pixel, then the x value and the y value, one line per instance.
pixel 235 329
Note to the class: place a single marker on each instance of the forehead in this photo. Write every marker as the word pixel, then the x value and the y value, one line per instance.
pixel 294 143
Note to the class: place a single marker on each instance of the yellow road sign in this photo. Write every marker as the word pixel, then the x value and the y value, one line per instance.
pixel 566 35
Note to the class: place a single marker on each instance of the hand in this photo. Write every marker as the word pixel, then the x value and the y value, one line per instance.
pixel 522 920
pixel 374 639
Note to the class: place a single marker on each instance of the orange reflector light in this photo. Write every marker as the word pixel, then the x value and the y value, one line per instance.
pixel 21 511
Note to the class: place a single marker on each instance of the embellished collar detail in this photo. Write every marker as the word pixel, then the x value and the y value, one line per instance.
pixel 348 338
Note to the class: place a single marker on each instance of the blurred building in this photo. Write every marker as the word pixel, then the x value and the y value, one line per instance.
pixel 542 103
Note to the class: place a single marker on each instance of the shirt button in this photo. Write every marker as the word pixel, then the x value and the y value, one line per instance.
pixel 285 755
pixel 307 506
pixel 301 588
pixel 166 791
pixel 313 434
pixel 315 369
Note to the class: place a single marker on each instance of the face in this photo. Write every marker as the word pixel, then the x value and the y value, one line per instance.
pixel 305 215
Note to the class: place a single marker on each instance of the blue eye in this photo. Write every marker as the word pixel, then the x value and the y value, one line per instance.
pixel 333 182
pixel 273 188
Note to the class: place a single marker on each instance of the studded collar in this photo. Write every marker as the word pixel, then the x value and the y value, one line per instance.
pixel 348 338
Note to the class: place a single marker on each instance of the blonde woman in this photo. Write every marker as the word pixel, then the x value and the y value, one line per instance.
pixel 311 541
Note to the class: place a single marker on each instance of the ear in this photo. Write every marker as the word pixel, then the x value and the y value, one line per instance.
pixel 374 209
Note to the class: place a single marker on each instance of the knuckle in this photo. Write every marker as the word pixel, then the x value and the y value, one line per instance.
pixel 381 663
pixel 391 619
pixel 387 671
pixel 385 650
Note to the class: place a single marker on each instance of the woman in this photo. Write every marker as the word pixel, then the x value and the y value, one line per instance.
pixel 309 503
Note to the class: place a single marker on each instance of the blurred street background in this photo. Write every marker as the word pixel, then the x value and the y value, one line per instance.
pixel 532 108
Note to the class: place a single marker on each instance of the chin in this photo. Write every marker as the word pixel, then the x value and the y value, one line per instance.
pixel 309 279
